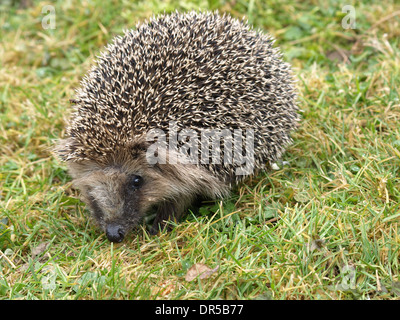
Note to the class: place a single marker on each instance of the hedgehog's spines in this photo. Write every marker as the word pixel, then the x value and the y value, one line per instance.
pixel 201 69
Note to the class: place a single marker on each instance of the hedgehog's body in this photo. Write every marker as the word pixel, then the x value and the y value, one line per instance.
pixel 177 72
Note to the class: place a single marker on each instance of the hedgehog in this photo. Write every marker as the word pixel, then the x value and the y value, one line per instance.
pixel 181 108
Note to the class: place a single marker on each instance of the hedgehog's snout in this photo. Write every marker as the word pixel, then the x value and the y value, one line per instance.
pixel 115 232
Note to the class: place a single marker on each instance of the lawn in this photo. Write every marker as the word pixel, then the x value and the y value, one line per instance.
pixel 322 224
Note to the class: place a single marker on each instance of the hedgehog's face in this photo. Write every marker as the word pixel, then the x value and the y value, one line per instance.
pixel 120 195
pixel 114 202
pixel 118 199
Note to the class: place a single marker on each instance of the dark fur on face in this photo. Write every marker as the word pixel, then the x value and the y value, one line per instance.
pixel 120 193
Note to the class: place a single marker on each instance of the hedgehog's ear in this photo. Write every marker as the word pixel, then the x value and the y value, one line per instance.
pixel 81 169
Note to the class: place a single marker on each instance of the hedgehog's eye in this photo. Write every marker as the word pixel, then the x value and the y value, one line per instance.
pixel 136 182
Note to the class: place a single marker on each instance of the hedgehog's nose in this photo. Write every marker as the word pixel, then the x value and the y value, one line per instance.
pixel 114 232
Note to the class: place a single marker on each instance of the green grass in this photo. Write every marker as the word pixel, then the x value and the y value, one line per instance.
pixel 292 233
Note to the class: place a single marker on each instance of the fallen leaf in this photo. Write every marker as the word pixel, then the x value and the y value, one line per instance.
pixel 199 270
pixel 339 55
pixel 39 249
pixel 164 288
pixel 316 244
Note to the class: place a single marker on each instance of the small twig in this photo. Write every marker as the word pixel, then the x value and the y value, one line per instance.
pixel 305 39
pixel 271 220
pixel 8 260
pixel 389 16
